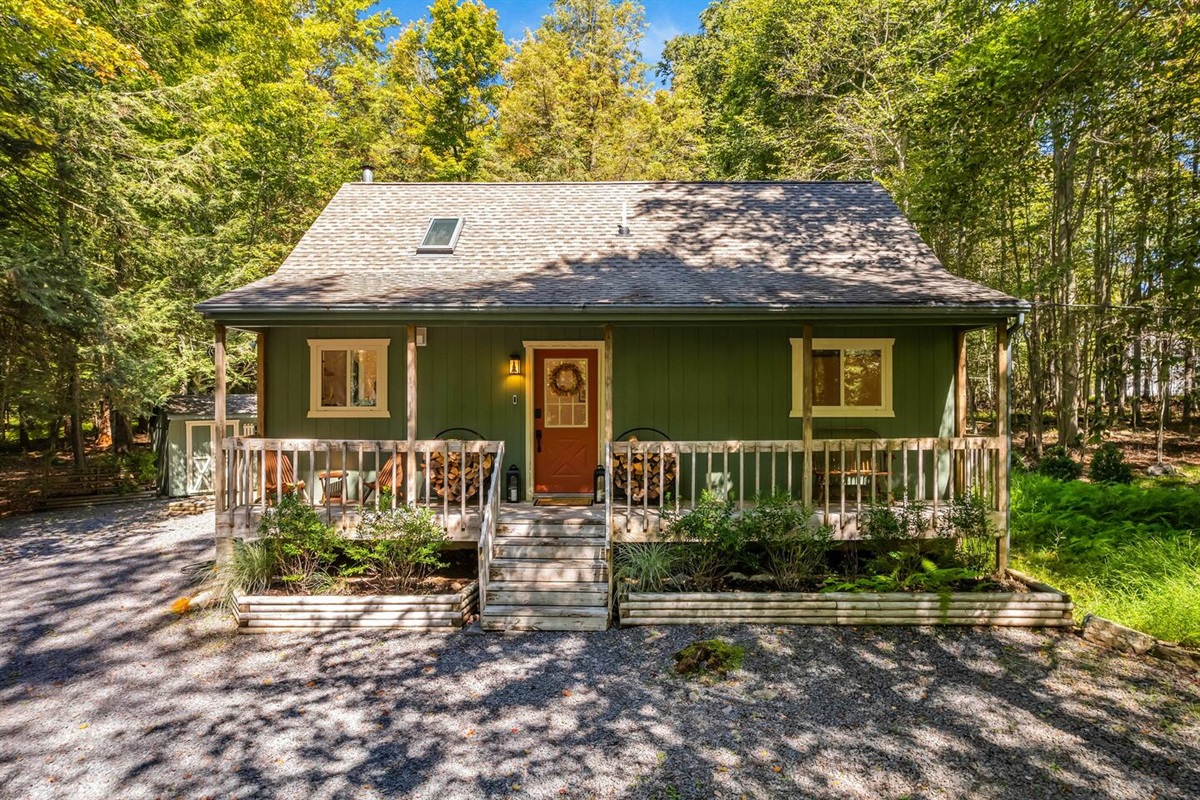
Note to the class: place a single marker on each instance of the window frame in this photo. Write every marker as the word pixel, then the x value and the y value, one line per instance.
pixel 440 248
pixel 884 346
pixel 317 411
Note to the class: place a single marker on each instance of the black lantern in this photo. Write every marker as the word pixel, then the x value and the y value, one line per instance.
pixel 598 484
pixel 512 484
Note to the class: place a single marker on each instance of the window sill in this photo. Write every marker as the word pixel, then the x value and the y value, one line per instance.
pixel 348 413
pixel 845 412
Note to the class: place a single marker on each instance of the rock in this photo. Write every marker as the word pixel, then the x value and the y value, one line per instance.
pixel 708 656
pixel 737 576
pixel 1118 637
pixel 473 629
pixel 761 578
pixel 1160 470
pixel 1179 656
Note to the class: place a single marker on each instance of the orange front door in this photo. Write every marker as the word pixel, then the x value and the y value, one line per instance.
pixel 565 420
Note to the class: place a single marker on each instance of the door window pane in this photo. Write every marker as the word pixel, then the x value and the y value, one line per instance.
pixel 863 377
pixel 333 378
pixel 827 386
pixel 564 410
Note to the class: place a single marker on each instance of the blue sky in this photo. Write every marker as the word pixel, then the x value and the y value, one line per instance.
pixel 665 18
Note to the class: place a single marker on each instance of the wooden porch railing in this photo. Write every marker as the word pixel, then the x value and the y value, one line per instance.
pixel 487 529
pixel 354 474
pixel 846 475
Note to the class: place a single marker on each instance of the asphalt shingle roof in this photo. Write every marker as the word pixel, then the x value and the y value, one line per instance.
pixel 204 405
pixel 750 245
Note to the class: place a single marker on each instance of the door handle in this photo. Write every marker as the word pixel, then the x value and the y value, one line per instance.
pixel 537 437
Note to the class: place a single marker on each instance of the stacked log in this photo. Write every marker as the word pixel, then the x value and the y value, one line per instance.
pixel 446 474
pixel 644 476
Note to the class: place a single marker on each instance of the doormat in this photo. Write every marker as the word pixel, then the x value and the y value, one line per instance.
pixel 575 502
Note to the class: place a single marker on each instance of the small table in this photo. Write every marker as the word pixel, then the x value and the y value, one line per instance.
pixel 333 486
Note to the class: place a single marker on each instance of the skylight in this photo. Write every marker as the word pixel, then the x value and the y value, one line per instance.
pixel 441 235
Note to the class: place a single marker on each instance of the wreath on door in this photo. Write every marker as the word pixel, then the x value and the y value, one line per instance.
pixel 566 379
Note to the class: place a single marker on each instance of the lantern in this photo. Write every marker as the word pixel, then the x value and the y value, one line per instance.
pixel 598 484
pixel 512 484
pixel 514 364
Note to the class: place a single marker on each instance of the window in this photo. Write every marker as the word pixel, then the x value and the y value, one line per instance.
pixel 348 377
pixel 851 377
pixel 441 235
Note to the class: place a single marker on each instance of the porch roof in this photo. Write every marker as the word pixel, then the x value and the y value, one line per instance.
pixel 744 247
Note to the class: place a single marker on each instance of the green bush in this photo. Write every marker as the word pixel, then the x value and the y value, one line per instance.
pixel 893 535
pixel 1109 465
pixel 646 566
pixel 303 546
pixel 968 520
pixel 712 544
pixel 398 547
pixel 1057 463
pixel 795 547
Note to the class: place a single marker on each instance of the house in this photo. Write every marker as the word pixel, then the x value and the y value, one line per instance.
pixel 183 439
pixel 750 336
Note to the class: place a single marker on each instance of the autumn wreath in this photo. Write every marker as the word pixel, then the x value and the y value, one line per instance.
pixel 566 379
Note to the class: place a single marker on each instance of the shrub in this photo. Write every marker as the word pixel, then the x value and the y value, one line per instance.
pixel 399 546
pixel 1109 465
pixel 304 547
pixel 1057 463
pixel 794 545
pixel 712 543
pixel 646 566
pixel 968 520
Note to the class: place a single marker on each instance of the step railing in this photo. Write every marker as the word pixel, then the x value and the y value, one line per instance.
pixel 487 532
pixel 445 475
pixel 839 477
pixel 608 527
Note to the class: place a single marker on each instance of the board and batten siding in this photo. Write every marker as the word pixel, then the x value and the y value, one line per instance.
pixel 693 382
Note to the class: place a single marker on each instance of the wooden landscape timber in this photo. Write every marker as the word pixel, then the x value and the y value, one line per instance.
pixel 1033 609
pixel 289 613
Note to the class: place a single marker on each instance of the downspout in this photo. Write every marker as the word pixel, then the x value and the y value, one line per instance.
pixel 1012 331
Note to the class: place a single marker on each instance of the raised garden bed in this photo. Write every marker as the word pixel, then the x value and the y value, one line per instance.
pixel 288 613
pixel 1040 607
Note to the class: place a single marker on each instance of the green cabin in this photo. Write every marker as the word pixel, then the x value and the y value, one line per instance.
pixel 593 354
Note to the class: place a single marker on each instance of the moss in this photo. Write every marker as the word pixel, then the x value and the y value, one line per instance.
pixel 709 657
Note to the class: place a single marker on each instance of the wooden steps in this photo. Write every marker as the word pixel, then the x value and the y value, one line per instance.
pixel 548 575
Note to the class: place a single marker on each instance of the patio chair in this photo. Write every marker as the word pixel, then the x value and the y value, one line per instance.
pixel 383 479
pixel 277 467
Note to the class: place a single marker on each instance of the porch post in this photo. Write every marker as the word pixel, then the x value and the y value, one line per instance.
pixel 806 378
pixel 260 350
pixel 224 533
pixel 1004 445
pixel 960 405
pixel 608 385
pixel 410 470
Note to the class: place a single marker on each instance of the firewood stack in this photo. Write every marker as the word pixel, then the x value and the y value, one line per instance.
pixel 650 486
pixel 446 474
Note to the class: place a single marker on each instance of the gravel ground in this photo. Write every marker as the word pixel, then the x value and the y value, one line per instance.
pixel 105 694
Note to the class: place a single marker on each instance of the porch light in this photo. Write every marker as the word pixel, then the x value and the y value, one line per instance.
pixel 514 364
pixel 598 484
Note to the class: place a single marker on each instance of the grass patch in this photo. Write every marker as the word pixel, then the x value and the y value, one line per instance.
pixel 709 657
pixel 1127 553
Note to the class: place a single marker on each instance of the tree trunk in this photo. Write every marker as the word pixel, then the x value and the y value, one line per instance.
pixel 77 449
pixel 122 432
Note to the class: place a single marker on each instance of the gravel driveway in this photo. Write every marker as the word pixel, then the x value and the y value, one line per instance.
pixel 105 694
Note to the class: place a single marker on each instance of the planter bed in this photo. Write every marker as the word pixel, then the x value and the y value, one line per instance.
pixel 1011 609
pixel 287 613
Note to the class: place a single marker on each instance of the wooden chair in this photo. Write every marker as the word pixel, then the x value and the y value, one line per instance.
pixel 280 467
pixel 383 479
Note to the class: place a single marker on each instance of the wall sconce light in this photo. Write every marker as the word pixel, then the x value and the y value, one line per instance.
pixel 421 337
pixel 514 364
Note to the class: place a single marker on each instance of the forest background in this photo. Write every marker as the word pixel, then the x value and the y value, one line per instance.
pixel 155 153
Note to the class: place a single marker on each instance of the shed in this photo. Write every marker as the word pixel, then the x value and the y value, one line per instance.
pixel 183 439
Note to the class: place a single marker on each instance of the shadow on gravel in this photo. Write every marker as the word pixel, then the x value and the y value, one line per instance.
pixel 103 693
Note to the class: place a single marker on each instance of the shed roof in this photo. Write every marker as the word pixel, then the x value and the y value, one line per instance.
pixel 205 406
pixel 731 245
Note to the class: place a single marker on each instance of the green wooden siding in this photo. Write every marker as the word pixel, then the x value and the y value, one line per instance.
pixel 693 382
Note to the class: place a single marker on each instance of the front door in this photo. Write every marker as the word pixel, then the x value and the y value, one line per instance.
pixel 565 420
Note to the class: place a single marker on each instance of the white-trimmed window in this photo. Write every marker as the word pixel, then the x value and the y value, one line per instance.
pixel 348 377
pixel 851 378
